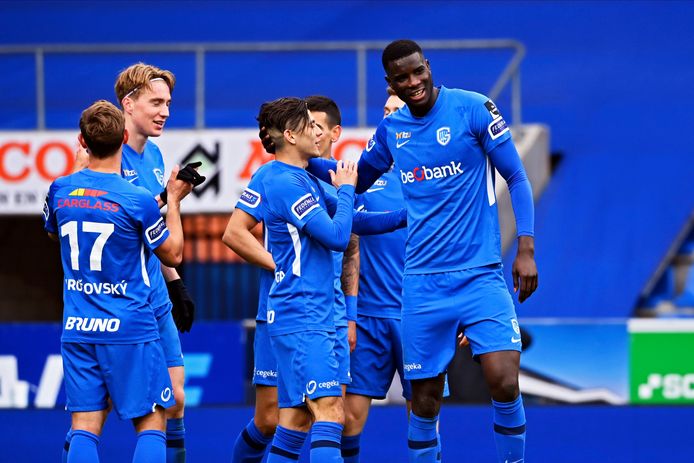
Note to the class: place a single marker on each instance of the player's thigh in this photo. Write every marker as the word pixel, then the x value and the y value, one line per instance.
pixel 264 361
pixel 85 385
pixel 373 364
pixel 489 317
pixel 136 377
pixel 170 341
pixel 430 319
pixel 307 367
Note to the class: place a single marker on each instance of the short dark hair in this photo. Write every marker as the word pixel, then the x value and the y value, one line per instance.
pixel 325 105
pixel 399 49
pixel 279 115
pixel 102 126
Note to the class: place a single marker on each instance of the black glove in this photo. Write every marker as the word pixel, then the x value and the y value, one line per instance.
pixel 190 175
pixel 183 309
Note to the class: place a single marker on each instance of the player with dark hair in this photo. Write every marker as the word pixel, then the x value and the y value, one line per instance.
pixel 301 234
pixel 445 144
pixel 251 209
pixel 108 229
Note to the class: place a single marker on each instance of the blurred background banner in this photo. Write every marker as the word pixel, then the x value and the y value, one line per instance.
pixel 30 161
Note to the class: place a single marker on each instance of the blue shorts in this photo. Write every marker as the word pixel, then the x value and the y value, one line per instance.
pixel 264 361
pixel 436 306
pixel 170 342
pixel 306 367
pixel 342 355
pixel 134 376
pixel 377 357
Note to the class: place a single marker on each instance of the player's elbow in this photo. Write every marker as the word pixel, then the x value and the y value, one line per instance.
pixel 171 259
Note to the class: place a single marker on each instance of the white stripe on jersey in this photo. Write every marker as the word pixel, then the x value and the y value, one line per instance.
pixel 296 240
pixel 491 196
pixel 143 265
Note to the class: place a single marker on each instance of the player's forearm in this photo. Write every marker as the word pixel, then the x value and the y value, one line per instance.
pixel 243 243
pixel 376 223
pixel 350 268
pixel 507 161
pixel 334 234
pixel 169 273
pixel 173 223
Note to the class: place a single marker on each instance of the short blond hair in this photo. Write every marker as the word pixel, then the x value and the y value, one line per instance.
pixel 139 76
pixel 102 126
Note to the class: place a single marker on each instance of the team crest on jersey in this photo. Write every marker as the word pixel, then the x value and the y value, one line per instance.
pixel 46 209
pixel 370 144
pixel 443 135
pixel 159 174
pixel 250 198
pixel 304 205
pixel 156 231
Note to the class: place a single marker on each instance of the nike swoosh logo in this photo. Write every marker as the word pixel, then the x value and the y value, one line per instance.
pixel 403 143
pixel 133 179
pixel 515 339
pixel 371 190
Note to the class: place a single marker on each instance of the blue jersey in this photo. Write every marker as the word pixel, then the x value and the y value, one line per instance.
pixel 252 202
pixel 147 170
pixel 106 227
pixel 340 305
pixel 302 296
pixel 443 161
pixel 381 257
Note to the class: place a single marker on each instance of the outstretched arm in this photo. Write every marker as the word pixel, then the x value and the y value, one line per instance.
pixel 367 173
pixel 376 223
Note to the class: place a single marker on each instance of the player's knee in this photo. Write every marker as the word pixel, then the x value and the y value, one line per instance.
pixel 266 421
pixel 426 406
pixel 330 409
pixel 505 389
pixel 176 410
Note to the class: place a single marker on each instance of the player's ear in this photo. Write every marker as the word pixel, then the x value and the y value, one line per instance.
pixel 427 63
pixel 83 143
pixel 127 105
pixel 335 133
pixel 126 136
pixel 289 137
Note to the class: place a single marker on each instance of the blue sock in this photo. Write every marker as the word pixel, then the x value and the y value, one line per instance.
pixel 286 445
pixel 151 446
pixel 509 430
pixel 422 439
pixel 250 445
pixel 325 442
pixel 350 448
pixel 175 442
pixel 66 447
pixel 83 447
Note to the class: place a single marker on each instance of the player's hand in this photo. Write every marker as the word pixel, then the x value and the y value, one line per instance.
pixel 190 174
pixel 463 340
pixel 177 189
pixel 183 310
pixel 345 174
pixel 525 269
pixel 81 159
pixel 352 335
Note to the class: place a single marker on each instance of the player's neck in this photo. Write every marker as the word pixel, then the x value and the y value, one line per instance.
pixel 136 140
pixel 109 165
pixel 291 157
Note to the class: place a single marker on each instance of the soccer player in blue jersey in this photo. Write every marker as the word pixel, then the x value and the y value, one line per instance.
pixel 108 229
pixel 445 144
pixel 144 93
pixel 301 235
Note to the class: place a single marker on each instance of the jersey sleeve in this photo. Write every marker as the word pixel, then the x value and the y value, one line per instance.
pixel 50 224
pixel 251 199
pixel 377 154
pixel 154 227
pixel 291 198
pixel 487 123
